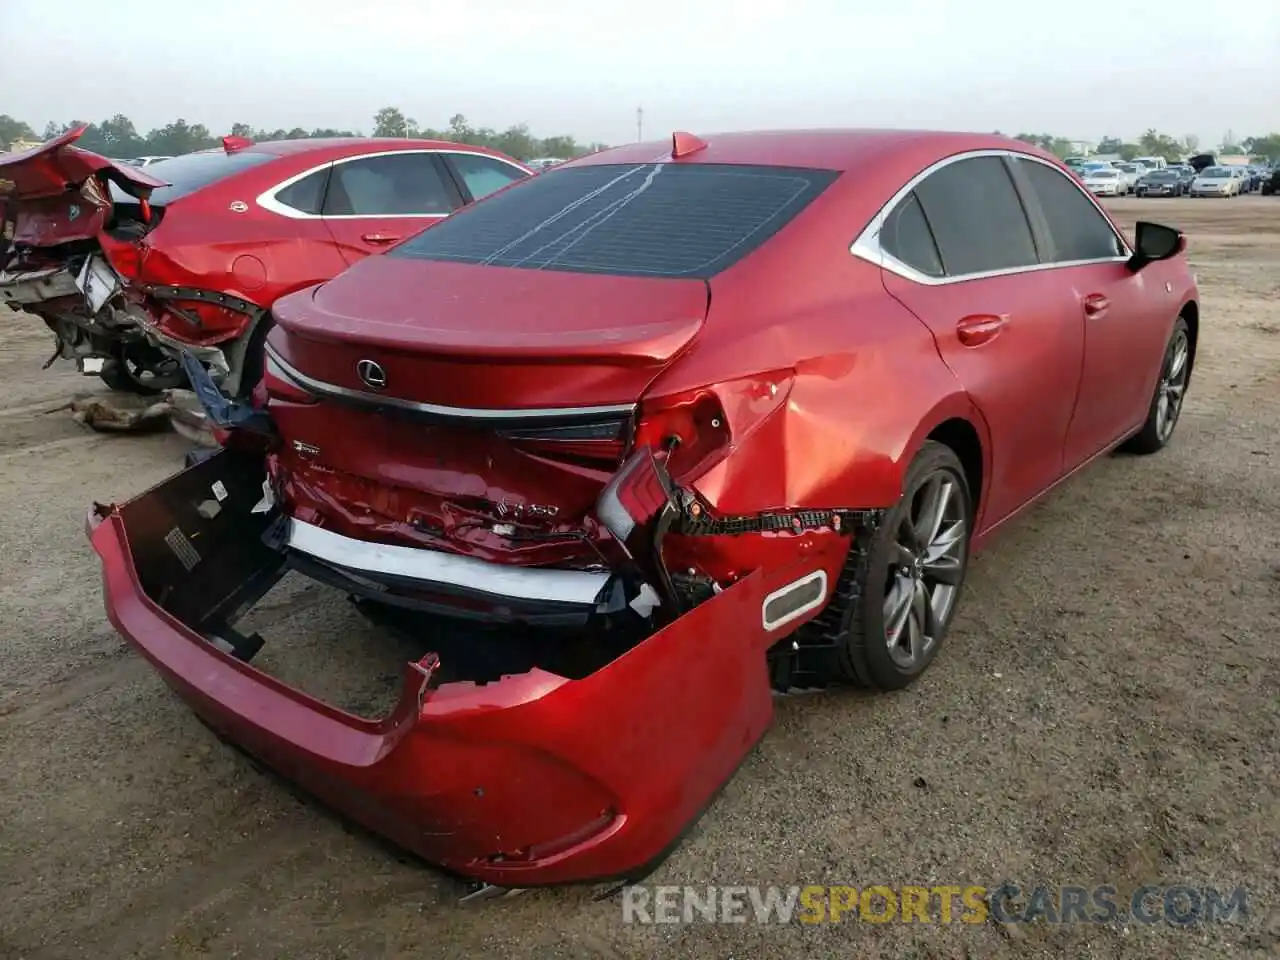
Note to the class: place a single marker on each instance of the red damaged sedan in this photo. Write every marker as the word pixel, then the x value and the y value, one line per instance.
pixel 629 445
pixel 130 266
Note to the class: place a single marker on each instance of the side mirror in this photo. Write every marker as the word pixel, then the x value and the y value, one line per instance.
pixel 1154 241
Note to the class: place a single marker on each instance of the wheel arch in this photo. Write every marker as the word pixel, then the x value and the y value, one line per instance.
pixel 958 424
pixel 1190 312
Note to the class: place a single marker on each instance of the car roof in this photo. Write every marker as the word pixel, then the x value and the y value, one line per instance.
pixel 335 147
pixel 826 149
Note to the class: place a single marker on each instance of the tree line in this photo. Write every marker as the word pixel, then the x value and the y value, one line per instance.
pixel 1152 143
pixel 117 136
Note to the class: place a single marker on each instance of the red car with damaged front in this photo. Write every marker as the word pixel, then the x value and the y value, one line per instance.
pixel 632 443
pixel 130 266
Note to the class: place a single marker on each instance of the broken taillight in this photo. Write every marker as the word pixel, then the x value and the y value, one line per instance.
pixel 692 428
pixel 697 428
pixel 634 496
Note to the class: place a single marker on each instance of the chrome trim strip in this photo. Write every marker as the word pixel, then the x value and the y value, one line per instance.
pixel 267 199
pixel 580 587
pixel 867 245
pixel 770 625
pixel 521 415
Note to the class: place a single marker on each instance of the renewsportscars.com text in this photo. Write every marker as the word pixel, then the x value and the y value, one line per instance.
pixel 1179 905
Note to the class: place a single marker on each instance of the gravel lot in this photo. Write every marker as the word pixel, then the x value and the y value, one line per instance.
pixel 1105 712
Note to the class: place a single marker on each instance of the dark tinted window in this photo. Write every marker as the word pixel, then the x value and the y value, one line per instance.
pixel 484 175
pixel 404 183
pixel 976 217
pixel 906 237
pixel 655 219
pixel 306 194
pixel 190 172
pixel 1076 228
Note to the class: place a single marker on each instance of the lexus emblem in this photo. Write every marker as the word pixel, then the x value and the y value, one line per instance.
pixel 371 374
pixel 73 211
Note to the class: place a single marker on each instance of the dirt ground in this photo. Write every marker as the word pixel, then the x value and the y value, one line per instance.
pixel 1106 711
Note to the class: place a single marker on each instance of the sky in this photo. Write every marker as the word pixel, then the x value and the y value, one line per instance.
pixel 1079 70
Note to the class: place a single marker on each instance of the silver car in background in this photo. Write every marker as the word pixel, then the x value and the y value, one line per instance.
pixel 1216 182
pixel 1105 182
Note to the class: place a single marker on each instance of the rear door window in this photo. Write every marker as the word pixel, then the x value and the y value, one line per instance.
pixel 403 184
pixel 976 217
pixel 483 175
pixel 1077 230
pixel 907 238
pixel 649 219
pixel 305 195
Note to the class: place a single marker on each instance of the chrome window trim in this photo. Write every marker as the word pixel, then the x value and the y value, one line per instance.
pixel 579 587
pixel 267 199
pixel 281 367
pixel 867 245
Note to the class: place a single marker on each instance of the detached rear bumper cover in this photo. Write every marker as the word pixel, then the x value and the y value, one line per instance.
pixel 534 779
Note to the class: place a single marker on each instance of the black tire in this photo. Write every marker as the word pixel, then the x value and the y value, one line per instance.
pixel 863 651
pixel 1158 429
pixel 132 369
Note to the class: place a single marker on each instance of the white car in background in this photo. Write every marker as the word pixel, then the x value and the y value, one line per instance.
pixel 1131 173
pixel 1216 182
pixel 1105 182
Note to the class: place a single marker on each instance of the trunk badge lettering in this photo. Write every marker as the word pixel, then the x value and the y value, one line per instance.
pixel 517 510
pixel 371 374
pixel 306 450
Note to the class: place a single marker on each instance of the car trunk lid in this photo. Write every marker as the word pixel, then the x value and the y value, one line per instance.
pixel 500 403
pixel 57 193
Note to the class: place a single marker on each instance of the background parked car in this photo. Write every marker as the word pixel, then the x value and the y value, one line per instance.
pixel 1215 182
pixel 1131 173
pixel 1271 183
pixel 1105 182
pixel 1161 183
pixel 130 266
pixel 1202 161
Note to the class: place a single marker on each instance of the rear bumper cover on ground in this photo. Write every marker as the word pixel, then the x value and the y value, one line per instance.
pixel 533 779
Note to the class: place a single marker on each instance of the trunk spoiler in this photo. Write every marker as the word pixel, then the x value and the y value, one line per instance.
pixel 57 166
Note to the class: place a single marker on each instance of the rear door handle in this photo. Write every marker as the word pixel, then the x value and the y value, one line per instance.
pixel 380 238
pixel 979 328
pixel 1096 306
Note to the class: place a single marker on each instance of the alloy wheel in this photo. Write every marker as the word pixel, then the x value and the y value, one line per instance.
pixel 1173 385
pixel 926 568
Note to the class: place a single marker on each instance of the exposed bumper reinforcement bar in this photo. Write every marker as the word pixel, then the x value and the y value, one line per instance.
pixel 519 583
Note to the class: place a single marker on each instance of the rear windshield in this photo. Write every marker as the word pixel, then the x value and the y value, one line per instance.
pixel 191 171
pixel 652 220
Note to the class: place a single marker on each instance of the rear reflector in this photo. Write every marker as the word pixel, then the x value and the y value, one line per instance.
pixel 794 600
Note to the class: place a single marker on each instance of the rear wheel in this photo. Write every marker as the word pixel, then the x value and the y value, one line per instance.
pixel 913 578
pixel 1171 388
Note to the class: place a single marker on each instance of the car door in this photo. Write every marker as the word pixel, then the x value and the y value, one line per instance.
pixel 961 255
pixel 377 200
pixel 1121 312
pixel 297 249
pixel 479 174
